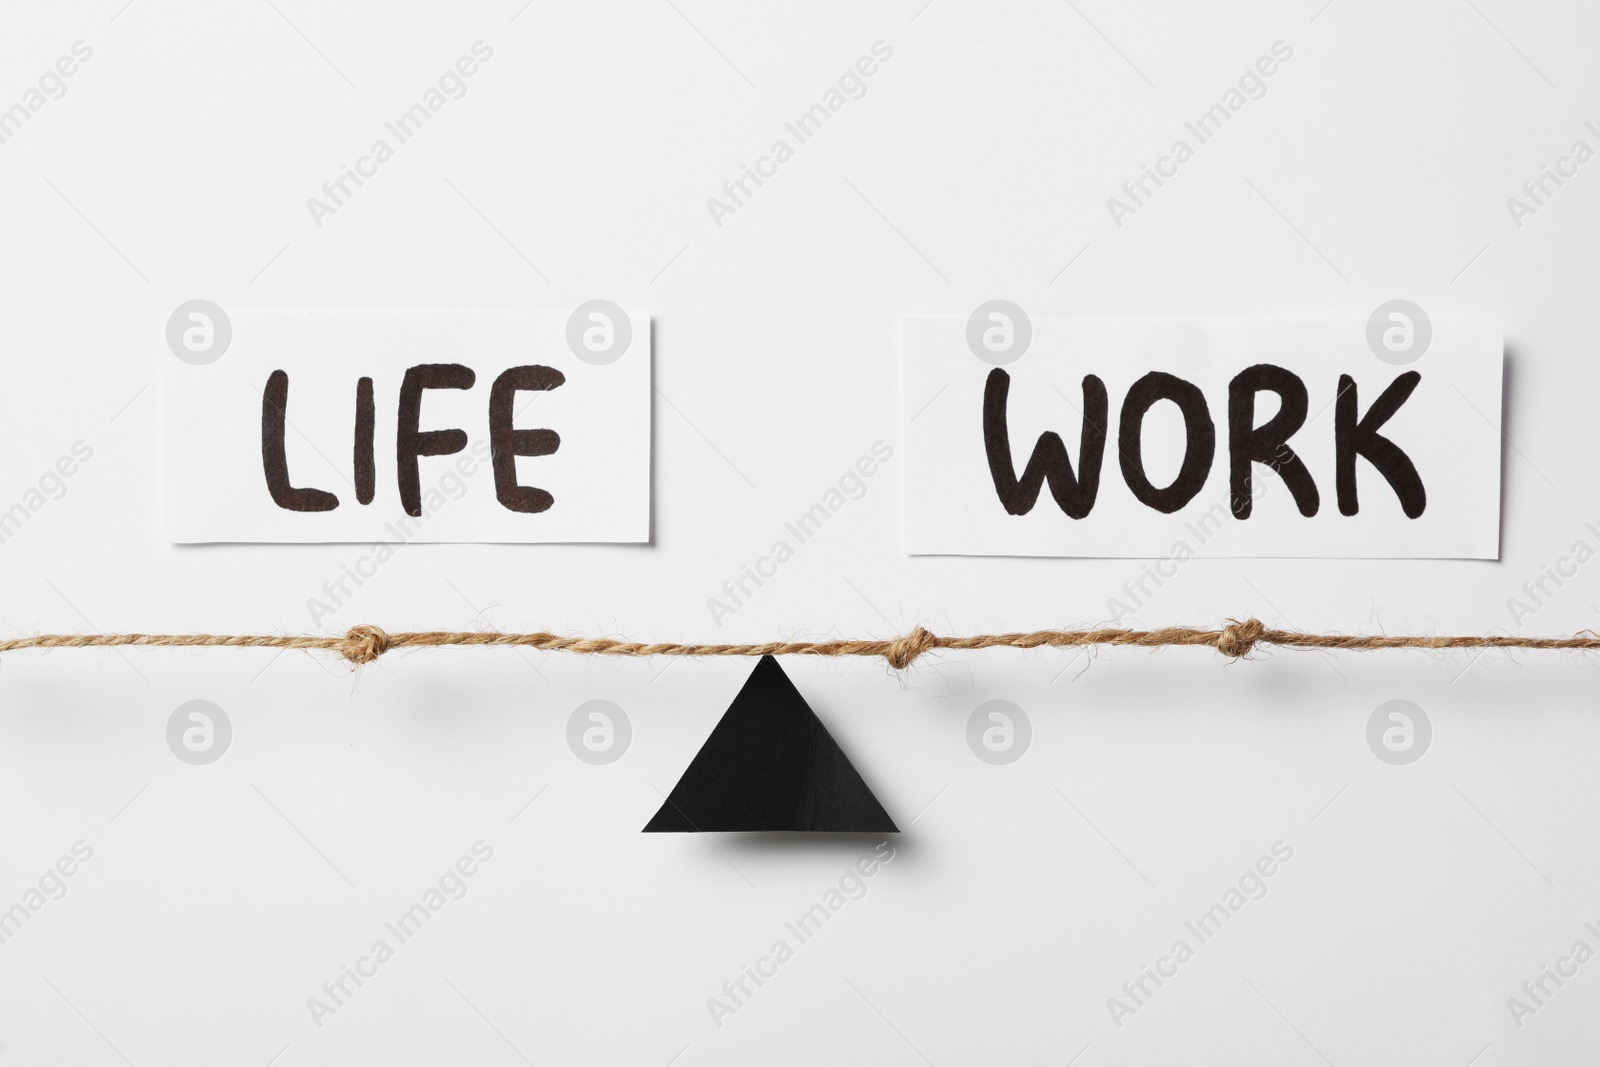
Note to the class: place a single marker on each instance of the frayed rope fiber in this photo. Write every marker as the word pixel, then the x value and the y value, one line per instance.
pixel 364 644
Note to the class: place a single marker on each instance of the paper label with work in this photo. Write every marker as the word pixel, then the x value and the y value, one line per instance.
pixel 1064 437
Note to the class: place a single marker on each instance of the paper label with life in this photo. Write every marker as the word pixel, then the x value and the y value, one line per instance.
pixel 1105 437
pixel 302 426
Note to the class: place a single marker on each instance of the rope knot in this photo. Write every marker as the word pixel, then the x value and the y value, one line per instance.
pixel 1238 639
pixel 363 644
pixel 903 651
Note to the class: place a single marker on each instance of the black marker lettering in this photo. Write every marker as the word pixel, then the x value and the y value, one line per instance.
pixel 274 414
pixel 1352 438
pixel 410 443
pixel 1268 443
pixel 1200 440
pixel 506 442
pixel 1074 493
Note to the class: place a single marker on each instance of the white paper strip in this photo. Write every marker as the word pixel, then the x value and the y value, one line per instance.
pixel 563 400
pixel 1172 408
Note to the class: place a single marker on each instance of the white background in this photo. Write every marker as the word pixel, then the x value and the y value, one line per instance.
pixel 977 166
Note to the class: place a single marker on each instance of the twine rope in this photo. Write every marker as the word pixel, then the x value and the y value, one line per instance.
pixel 1238 639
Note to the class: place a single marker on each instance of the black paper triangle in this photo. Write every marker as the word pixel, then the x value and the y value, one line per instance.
pixel 770 764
